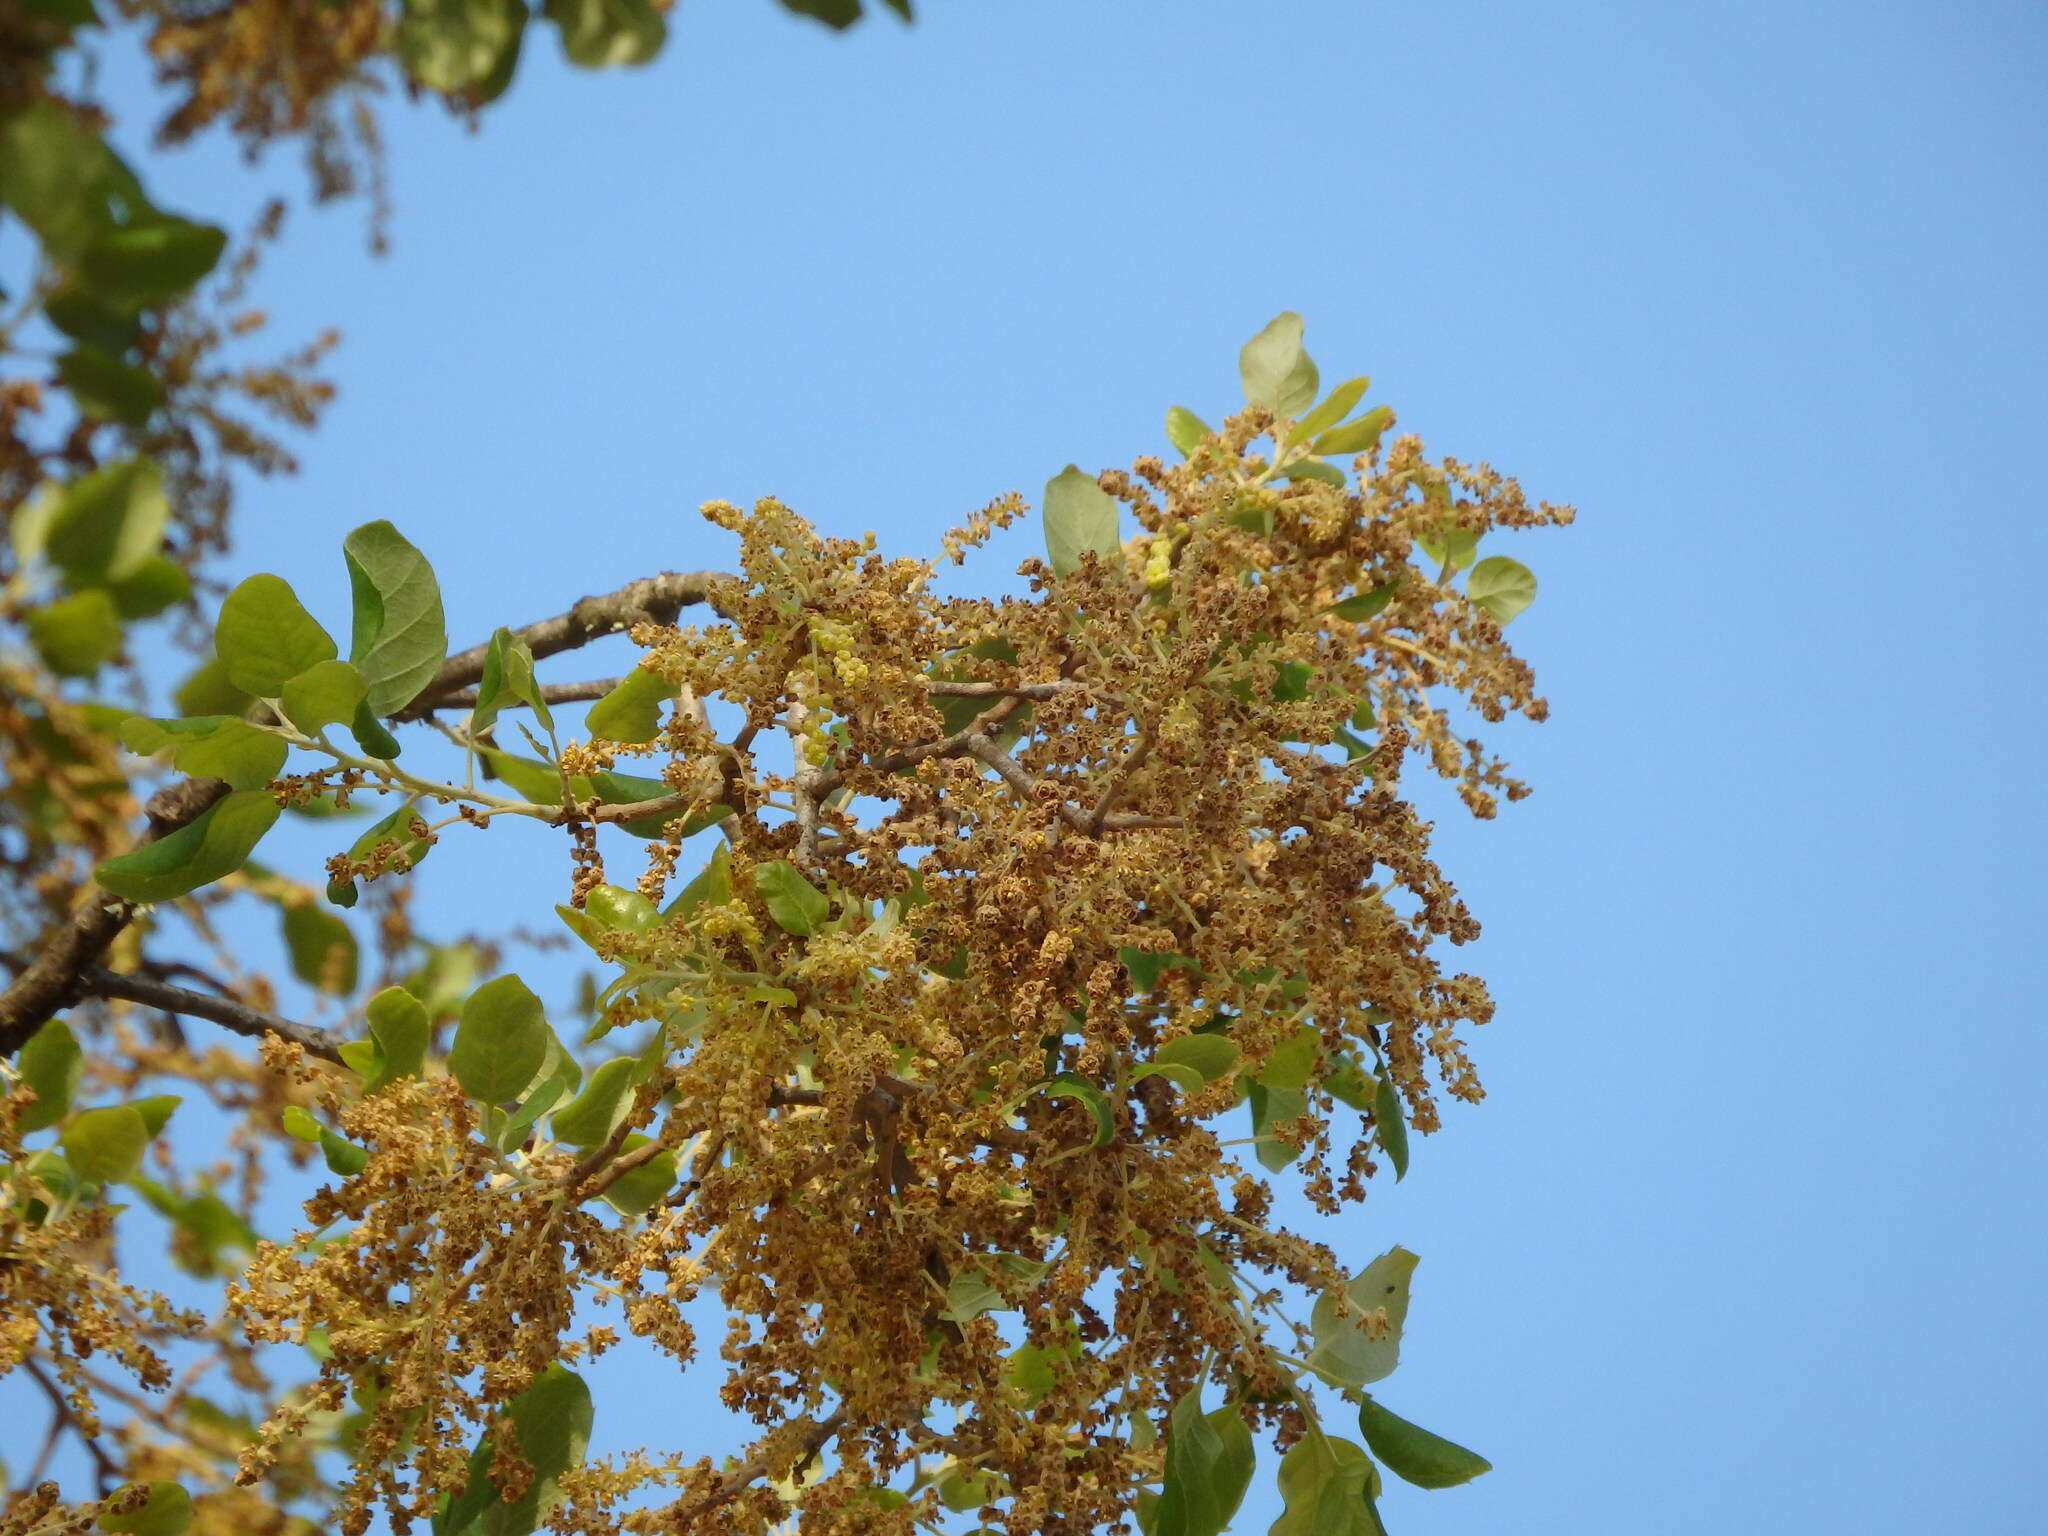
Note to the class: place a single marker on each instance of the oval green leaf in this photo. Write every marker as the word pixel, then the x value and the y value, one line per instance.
pixel 217 843
pixel 1424 1459
pixel 50 1064
pixel 500 1041
pixel 1503 587
pixel 399 636
pixel 1275 370
pixel 796 905
pixel 1080 517
pixel 264 637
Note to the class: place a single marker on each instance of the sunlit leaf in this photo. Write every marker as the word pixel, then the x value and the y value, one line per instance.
pixel 1275 370
pixel 597 34
pixel 399 637
pixel 264 637
pixel 50 1064
pixel 500 1042
pixel 1079 517
pixel 1503 587
pixel 1185 430
pixel 1358 1339
pixel 632 711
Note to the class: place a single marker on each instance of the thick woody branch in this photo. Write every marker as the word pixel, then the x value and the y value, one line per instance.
pixel 551 693
pixel 224 1011
pixel 49 983
pixel 650 600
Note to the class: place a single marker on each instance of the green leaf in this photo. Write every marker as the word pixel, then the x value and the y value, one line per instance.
pixel 1277 373
pixel 1208 1465
pixel 105 1145
pixel 76 635
pixel 616 907
pixel 343 1157
pixel 1450 544
pixel 461 45
pixel 1145 966
pixel 633 1193
pixel 1328 1486
pixel 507 675
pixel 1335 407
pixel 371 736
pixel 265 638
pixel 1271 1107
pixel 555 1079
pixel 398 1023
pixel 1355 437
pixel 500 1042
pixel 106 525
pixel 1314 469
pixel 156 1110
pixel 1361 606
pixel 399 638
pixel 207 691
pixel 1071 1085
pixel 155 585
pixel 361 1057
pixel 969 1294
pixel 712 886
pixel 214 844
pixel 1424 1459
pixel 49 1064
pixel 1185 430
pixel 1212 1056
pixel 323 950
pixel 600 33
pixel 836 14
pixel 1355 1346
pixel 1501 586
pixel 551 1422
pixel 152 261
pixel 1292 1062
pixel 797 906
pixel 83 315
pixel 395 828
pixel 107 388
pixel 209 747
pixel 167 1511
pixel 631 712
pixel 299 1123
pixel 61 180
pixel 327 693
pixel 1390 1125
pixel 596 1112
pixel 1079 517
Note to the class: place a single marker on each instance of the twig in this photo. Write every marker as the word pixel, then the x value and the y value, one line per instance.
pixel 224 1011
pixel 49 983
pixel 104 1470
pixel 652 600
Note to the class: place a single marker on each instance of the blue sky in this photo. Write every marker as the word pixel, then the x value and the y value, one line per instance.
pixel 1748 1233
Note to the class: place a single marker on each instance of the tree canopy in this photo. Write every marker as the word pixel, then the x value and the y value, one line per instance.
pixel 968 970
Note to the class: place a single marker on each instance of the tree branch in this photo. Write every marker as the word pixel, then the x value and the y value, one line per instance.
pixel 652 599
pixel 224 1011
pixel 551 693
pixel 49 982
